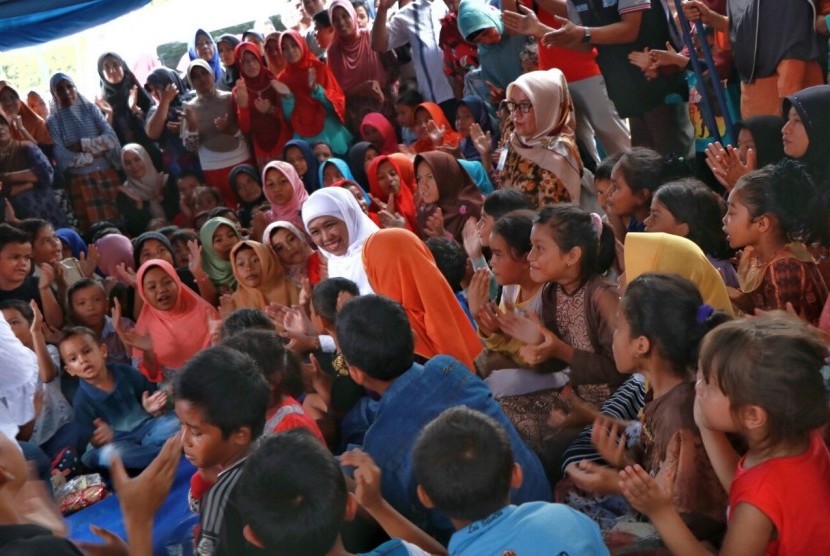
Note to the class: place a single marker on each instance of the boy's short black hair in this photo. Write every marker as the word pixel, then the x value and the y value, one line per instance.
pixel 464 462
pixel 97 230
pixel 375 336
pixel 220 211
pixel 20 306
pixel 322 19
pixel 243 319
pixel 450 259
pixel 500 202
pixel 292 495
pixel 32 226
pixel 278 365
pixel 183 234
pixel 604 168
pixel 168 231
pixel 324 296
pixel 226 385
pixel 198 176
pixel 74 331
pixel 410 97
pixel 10 234
pixel 82 284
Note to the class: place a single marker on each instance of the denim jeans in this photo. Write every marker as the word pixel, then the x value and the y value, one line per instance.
pixel 138 447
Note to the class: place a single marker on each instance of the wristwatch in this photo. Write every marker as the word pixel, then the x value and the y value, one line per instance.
pixel 586 35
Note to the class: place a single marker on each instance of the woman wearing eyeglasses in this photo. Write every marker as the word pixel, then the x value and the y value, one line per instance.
pixel 540 156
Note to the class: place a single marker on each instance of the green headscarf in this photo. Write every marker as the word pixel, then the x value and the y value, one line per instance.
pixel 219 270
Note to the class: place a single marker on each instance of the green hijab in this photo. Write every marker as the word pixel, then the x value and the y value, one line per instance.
pixel 219 270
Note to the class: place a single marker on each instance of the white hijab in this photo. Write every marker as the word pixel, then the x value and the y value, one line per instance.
pixel 341 204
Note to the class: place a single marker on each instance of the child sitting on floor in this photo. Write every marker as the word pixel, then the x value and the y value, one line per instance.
pixel 464 466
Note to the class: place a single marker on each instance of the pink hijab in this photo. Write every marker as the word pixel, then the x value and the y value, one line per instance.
pixel 181 332
pixel 289 212
pixel 352 60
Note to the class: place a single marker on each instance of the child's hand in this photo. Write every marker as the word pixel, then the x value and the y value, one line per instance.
pixel 241 94
pixel 483 142
pixel 435 223
pixel 89 260
pixel 113 544
pixel 367 477
pixel 296 322
pixel 226 305
pixel 470 238
pixel 37 322
pixel 312 78
pixel 131 337
pixel 127 275
pixel 487 319
pixel 592 477
pixel 154 403
pixel 609 440
pixel 726 164
pixel 549 348
pixel 142 496
pixel 102 435
pixel 47 276
pixel 521 327
pixel 305 293
pixel 277 313
pixel 642 491
pixel 222 123
pixel 478 293
pixel 436 133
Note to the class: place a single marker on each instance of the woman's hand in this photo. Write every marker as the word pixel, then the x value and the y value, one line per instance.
pixel 264 105
pixel 281 88
pixel 241 94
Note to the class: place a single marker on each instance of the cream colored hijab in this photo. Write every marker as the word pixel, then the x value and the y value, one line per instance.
pixel 553 146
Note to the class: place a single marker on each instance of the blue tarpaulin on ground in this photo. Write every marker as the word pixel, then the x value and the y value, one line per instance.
pixel 30 22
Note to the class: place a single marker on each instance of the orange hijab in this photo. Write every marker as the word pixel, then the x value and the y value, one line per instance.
pixel 181 332
pixel 451 137
pixel 399 266
pixel 275 286
pixel 404 198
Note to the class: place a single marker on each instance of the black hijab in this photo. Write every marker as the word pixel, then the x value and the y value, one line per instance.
pixel 231 75
pixel 813 106
pixel 118 94
pixel 161 78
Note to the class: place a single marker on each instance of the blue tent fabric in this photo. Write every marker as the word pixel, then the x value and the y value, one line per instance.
pixel 172 526
pixel 27 23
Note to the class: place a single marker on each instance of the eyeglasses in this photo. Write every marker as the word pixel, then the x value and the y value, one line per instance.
pixel 523 107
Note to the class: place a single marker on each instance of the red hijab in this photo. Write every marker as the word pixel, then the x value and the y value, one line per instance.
pixel 404 198
pixel 309 114
pixel 269 131
pixel 451 137
pixel 384 127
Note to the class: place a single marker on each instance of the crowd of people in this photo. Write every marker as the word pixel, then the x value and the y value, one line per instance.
pixel 431 277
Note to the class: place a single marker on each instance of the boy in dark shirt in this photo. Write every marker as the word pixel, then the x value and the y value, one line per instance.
pixel 221 400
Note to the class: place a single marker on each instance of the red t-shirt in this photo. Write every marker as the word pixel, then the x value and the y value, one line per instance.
pixel 290 415
pixel 794 493
pixel 575 65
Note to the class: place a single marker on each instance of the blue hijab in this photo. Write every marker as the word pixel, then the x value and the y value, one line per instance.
pixel 311 179
pixel 499 62
pixel 214 62
pixel 478 174
pixel 73 240
pixel 479 111
pixel 346 173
